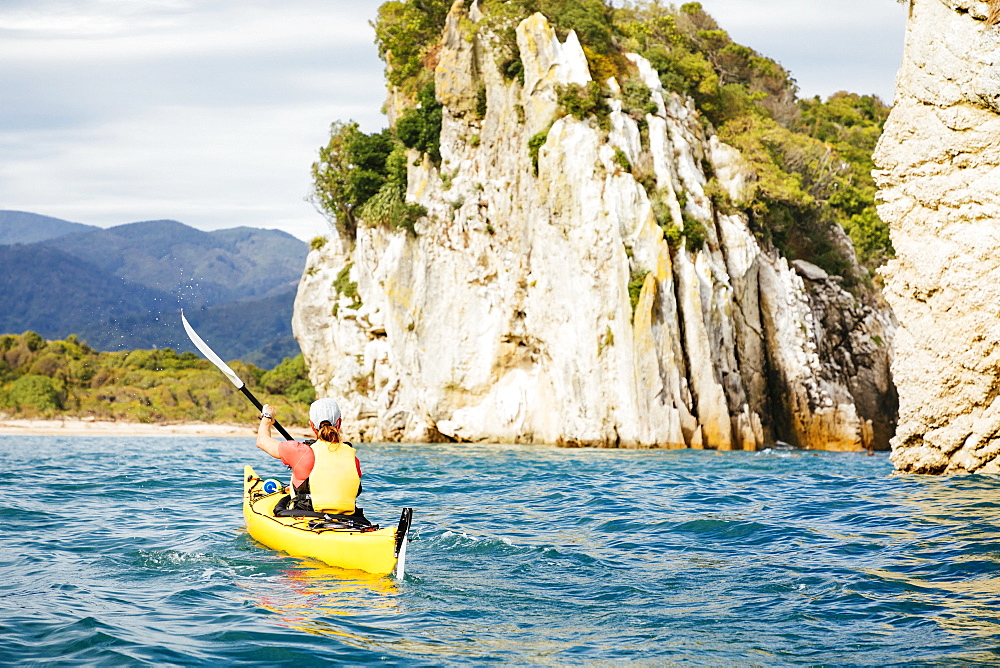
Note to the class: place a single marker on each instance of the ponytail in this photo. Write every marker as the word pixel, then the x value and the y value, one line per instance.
pixel 327 432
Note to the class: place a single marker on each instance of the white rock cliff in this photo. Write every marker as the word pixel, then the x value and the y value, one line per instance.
pixel 939 179
pixel 507 317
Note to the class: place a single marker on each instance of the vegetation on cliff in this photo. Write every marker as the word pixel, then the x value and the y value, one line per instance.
pixel 68 378
pixel 811 158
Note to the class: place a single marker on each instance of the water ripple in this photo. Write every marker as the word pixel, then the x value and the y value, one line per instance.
pixel 132 551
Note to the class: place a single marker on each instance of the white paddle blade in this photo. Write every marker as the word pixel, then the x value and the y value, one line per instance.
pixel 401 559
pixel 210 354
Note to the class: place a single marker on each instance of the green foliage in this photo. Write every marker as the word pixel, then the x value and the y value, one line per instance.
pixel 810 159
pixel 621 159
pixel 420 128
pixel 795 175
pixel 406 32
pixel 8 341
pixel 870 236
pixel 513 69
pixel 664 218
pixel 694 56
pixel 351 169
pixel 721 200
pixel 395 167
pixel 362 178
pixel 317 243
pixel 33 341
pixel 480 110
pixel 816 177
pixel 156 360
pixel 635 283
pixel 389 207
pixel 535 145
pixel 345 286
pixel 500 20
pixel 852 124
pixel 661 211
pixel 290 378
pixel 637 100
pixel 694 231
pixel 39 394
pixel 584 101
pixel 68 378
pixel 591 19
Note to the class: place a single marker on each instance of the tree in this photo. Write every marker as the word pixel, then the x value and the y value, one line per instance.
pixel 406 31
pixel 36 392
pixel 350 170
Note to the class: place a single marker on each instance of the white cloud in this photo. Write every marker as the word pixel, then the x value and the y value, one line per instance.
pixel 211 111
pixel 207 112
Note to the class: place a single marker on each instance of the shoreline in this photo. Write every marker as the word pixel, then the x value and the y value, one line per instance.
pixel 94 427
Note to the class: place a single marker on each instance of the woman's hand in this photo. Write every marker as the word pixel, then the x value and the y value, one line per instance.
pixel 264 440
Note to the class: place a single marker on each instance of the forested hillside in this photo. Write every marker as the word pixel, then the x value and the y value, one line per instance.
pixel 122 288
pixel 68 378
pixel 55 293
pixel 200 268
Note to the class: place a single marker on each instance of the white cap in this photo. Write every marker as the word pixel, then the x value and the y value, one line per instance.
pixel 324 410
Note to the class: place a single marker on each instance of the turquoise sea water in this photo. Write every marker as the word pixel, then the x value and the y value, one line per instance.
pixel 133 552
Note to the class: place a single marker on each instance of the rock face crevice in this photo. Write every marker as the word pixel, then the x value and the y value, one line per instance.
pixel 508 318
pixel 939 179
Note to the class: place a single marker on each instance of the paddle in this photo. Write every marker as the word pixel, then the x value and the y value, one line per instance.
pixel 224 368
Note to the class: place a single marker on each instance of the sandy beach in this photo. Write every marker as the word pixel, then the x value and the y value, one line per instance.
pixel 88 427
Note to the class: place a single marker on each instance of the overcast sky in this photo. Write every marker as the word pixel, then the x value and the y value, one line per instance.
pixel 211 112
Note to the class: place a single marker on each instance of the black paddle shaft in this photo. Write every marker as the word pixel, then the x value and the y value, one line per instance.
pixel 253 400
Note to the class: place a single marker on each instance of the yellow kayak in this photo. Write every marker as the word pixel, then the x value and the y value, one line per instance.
pixel 336 543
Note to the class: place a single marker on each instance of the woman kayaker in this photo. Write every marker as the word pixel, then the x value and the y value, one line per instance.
pixel 326 473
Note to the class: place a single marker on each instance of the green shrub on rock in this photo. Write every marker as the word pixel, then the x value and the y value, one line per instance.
pixel 406 31
pixel 535 145
pixel 581 102
pixel 420 128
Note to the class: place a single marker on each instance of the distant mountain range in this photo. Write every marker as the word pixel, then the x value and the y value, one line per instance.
pixel 20 227
pixel 123 287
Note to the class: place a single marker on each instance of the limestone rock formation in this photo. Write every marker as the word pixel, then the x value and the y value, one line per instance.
pixel 508 318
pixel 939 179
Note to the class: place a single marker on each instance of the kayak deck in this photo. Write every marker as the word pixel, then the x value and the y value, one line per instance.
pixel 372 549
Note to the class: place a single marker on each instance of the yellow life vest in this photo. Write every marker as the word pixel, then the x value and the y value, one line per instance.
pixel 333 482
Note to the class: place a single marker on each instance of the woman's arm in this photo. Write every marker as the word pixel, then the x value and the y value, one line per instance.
pixel 264 440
